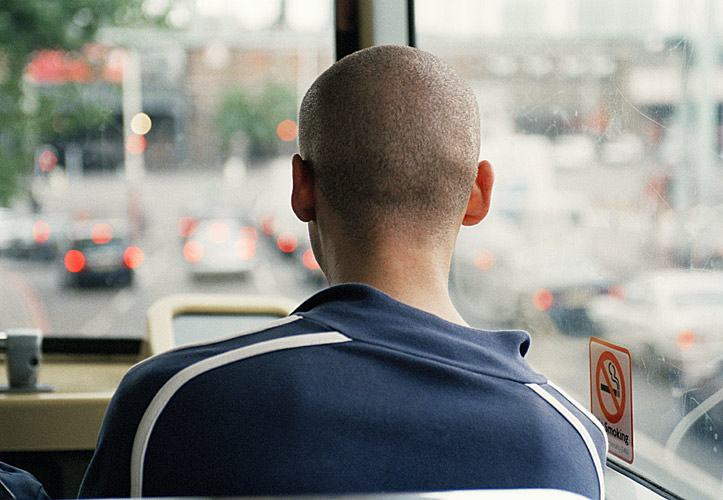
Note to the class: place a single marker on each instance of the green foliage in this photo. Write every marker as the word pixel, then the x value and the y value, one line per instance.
pixel 29 25
pixel 9 180
pixel 256 117
pixel 64 115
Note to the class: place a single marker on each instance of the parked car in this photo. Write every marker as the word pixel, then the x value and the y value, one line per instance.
pixel 673 318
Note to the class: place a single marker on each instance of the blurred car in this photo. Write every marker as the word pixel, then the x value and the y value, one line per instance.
pixel 38 236
pixel 287 234
pixel 99 254
pixel 526 269
pixel 480 273
pixel 560 281
pixel 668 317
pixel 217 248
pixel 522 287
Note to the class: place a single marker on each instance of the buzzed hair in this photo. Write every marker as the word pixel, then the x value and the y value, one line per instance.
pixel 392 135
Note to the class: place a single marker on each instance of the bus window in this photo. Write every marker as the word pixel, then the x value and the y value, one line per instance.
pixel 147 153
pixel 603 123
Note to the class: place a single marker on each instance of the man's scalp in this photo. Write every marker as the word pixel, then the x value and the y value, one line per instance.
pixel 392 135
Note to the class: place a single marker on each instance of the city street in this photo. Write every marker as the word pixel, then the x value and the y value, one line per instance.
pixel 32 291
pixel 121 311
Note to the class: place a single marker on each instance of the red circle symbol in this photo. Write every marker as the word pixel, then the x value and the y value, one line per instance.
pixel 615 390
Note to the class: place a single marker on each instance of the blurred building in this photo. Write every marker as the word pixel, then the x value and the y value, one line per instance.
pixel 538 67
pixel 183 74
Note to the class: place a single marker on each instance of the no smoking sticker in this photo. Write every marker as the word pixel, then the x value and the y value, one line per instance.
pixel 611 398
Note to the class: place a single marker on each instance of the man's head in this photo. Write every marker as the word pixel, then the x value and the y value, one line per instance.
pixel 391 136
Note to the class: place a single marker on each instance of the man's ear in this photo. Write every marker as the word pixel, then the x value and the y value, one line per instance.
pixel 481 196
pixel 302 191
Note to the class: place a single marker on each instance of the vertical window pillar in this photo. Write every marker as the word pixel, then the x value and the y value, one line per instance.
pixel 365 23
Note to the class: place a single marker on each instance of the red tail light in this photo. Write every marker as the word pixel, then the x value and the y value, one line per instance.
pixel 133 257
pixel 101 233
pixel 186 227
pixel 74 261
pixel 484 260
pixel 41 231
pixel 193 251
pixel 268 224
pixel 244 248
pixel 309 260
pixel 617 292
pixel 542 299
pixel 287 242
pixel 685 340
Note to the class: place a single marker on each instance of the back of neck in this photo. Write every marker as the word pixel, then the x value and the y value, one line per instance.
pixel 414 276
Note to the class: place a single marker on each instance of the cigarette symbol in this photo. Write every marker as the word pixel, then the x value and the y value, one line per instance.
pixel 614 379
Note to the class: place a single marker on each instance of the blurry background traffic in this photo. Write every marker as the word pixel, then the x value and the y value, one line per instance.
pixel 145 150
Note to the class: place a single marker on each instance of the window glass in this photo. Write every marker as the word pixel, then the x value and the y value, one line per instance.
pixel 603 123
pixel 145 150
pixel 191 328
pixel 699 299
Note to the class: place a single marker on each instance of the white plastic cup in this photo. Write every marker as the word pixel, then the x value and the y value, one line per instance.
pixel 23 354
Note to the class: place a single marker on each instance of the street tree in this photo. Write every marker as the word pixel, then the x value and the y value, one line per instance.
pixel 254 118
pixel 27 26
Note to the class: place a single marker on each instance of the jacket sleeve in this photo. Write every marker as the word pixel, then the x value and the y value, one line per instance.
pixel 17 484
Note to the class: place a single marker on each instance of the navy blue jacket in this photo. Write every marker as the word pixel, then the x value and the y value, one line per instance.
pixel 17 484
pixel 354 392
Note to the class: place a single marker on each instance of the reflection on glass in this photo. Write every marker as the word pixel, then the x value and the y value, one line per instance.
pixel 603 123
